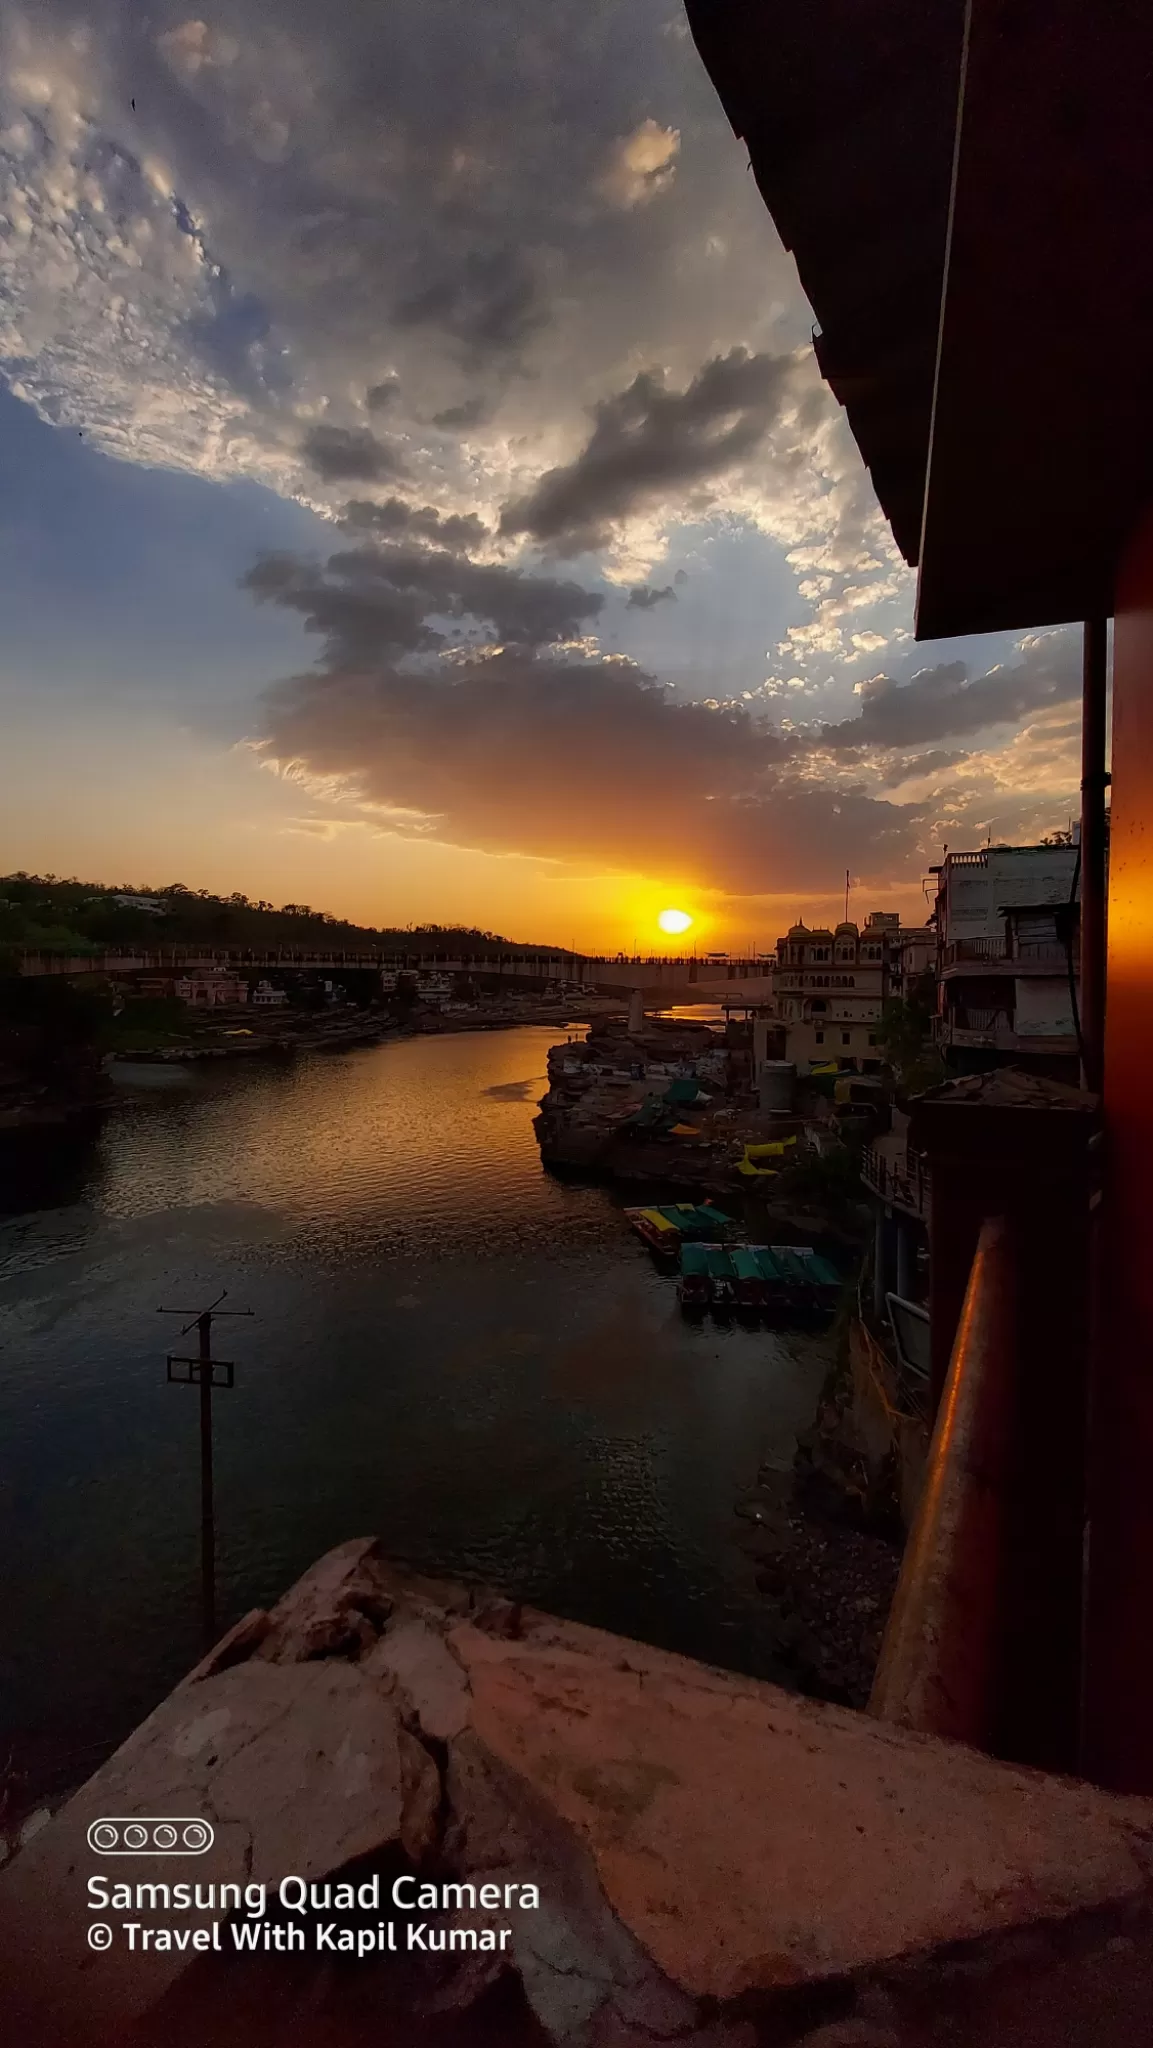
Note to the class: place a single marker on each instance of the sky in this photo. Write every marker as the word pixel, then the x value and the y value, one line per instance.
pixel 418 497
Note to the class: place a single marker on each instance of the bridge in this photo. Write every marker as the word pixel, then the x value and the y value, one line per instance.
pixel 660 979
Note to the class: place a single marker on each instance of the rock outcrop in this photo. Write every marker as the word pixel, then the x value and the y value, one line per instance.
pixel 711 1861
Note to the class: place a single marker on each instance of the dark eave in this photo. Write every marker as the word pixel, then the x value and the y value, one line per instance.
pixel 1013 471
pixel 848 111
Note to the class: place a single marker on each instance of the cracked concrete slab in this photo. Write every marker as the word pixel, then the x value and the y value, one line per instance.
pixel 416 1657
pixel 708 1850
pixel 300 1768
pixel 752 1839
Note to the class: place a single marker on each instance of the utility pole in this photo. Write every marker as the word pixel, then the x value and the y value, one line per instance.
pixel 202 1370
pixel 1092 857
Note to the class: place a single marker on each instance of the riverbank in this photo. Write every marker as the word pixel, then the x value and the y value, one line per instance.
pixel 227 1038
pixel 670 1103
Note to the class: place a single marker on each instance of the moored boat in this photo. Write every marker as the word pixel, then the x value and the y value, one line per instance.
pixel 722 1279
pixel 797 1286
pixel 697 1221
pixel 748 1280
pixel 777 1292
pixel 658 1232
pixel 822 1279
pixel 693 1281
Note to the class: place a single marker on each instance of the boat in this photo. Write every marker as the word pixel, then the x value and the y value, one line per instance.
pixel 659 1233
pixel 693 1285
pixel 700 1222
pixel 751 1291
pixel 822 1278
pixel 797 1288
pixel 777 1290
pixel 722 1279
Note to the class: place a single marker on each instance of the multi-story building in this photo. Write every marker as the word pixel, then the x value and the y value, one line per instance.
pixel 829 987
pixel 1008 961
pixel 210 990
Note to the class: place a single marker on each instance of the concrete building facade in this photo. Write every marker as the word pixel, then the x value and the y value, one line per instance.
pixel 1008 958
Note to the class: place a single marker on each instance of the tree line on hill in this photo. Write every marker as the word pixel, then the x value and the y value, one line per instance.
pixel 45 913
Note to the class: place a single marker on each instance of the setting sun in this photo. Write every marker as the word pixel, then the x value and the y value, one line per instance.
pixel 674 921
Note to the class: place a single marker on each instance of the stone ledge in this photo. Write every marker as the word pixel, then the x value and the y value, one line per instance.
pixel 720 1863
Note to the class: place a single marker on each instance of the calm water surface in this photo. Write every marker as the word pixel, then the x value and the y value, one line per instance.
pixel 450 1349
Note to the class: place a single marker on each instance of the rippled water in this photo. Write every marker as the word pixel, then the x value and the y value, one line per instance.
pixel 449 1348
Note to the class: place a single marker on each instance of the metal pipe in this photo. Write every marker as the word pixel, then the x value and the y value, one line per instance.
pixel 1094 783
pixel 939 1667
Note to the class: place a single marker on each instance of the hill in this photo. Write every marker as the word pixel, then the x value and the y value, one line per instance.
pixel 48 914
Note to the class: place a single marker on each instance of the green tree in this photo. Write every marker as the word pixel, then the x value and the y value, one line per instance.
pixel 905 1037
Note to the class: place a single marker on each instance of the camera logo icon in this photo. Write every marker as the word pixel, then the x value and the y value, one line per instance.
pixel 165 1835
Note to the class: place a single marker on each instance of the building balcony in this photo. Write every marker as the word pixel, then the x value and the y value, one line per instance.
pixel 900 1177
pixel 992 1031
pixel 1004 956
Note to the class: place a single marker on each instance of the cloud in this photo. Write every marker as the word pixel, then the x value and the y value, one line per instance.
pixel 471 412
pixel 648 442
pixel 490 302
pixel 643 165
pixel 643 597
pixel 349 454
pixel 379 604
pixel 532 741
pixel 535 252
pixel 943 703
pixel 396 520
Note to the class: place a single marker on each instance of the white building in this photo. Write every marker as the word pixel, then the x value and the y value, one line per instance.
pixel 1008 946
pixel 265 996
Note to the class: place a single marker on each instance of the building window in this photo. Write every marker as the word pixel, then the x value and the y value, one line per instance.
pixel 845 1037
pixel 872 1038
pixel 820 1037
pixel 819 1003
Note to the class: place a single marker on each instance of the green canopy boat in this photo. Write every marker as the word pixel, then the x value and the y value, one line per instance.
pixel 701 1222
pixel 823 1278
pixel 722 1279
pixel 693 1284
pixel 750 1281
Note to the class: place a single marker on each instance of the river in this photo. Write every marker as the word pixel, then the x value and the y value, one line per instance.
pixel 449 1348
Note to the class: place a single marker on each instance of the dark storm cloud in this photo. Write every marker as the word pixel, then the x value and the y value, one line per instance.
pixel 378 396
pixel 644 597
pixel 942 702
pixel 349 454
pixel 381 603
pixel 471 412
pixel 648 441
pixel 488 302
pixel 394 520
pixel 532 749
